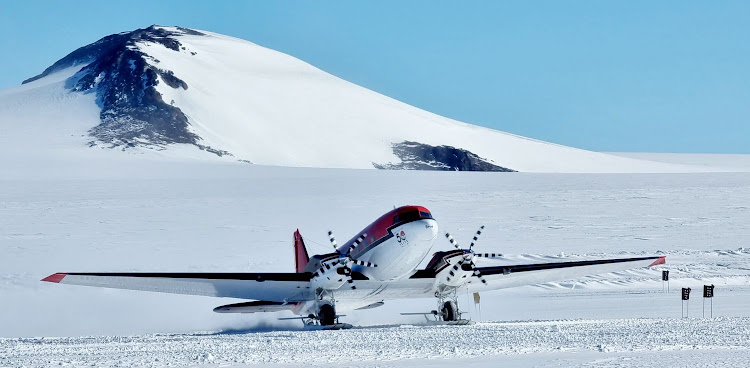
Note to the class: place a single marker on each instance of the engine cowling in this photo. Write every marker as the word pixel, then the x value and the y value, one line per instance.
pixel 458 271
pixel 331 275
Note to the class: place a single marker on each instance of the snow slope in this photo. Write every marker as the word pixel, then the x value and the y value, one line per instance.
pixel 254 103
pixel 738 162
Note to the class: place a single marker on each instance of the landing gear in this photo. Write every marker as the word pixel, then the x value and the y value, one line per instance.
pixel 327 315
pixel 446 314
pixel 447 309
pixel 449 312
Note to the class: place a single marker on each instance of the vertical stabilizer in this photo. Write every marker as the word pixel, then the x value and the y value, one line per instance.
pixel 300 253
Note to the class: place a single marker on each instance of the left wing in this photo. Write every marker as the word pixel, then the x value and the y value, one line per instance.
pixel 277 287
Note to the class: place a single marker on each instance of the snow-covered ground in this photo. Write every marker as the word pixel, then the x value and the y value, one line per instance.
pixel 156 214
pixel 718 342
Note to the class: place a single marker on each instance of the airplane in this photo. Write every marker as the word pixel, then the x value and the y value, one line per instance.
pixel 380 263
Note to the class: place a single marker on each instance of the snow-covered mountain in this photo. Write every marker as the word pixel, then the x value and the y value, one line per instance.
pixel 173 91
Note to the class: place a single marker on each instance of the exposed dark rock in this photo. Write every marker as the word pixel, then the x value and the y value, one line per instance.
pixel 133 112
pixel 420 156
pixel 88 53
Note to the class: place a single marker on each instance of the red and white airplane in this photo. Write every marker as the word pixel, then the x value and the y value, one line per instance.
pixel 379 263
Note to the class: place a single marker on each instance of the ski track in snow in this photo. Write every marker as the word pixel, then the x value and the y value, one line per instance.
pixel 606 342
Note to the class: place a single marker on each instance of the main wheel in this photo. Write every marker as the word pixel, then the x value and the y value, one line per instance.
pixel 450 311
pixel 326 315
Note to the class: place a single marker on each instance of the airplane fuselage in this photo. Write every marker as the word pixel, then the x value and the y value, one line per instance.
pixel 397 242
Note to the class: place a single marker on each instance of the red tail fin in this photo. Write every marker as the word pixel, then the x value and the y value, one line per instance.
pixel 300 253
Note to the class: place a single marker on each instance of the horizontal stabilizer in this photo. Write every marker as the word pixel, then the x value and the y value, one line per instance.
pixel 371 306
pixel 254 307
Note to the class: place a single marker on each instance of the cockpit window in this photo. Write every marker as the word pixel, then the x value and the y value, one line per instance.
pixel 425 215
pixel 406 217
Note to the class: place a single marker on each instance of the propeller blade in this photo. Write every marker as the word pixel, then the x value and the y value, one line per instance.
pixel 477 273
pixel 452 241
pixel 332 239
pixel 476 237
pixel 488 255
pixel 363 263
pixel 356 243
pixel 452 273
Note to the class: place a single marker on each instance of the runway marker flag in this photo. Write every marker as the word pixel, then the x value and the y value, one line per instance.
pixel 685 311
pixel 708 292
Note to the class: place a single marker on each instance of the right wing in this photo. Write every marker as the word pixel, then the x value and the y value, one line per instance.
pixel 501 277
pixel 277 287
pixel 508 276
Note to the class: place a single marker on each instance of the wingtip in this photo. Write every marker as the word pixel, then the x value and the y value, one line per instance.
pixel 661 260
pixel 56 278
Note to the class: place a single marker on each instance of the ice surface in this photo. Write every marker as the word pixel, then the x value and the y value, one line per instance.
pixel 164 215
pixel 614 342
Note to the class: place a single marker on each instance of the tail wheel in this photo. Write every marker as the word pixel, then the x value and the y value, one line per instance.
pixel 326 315
pixel 450 311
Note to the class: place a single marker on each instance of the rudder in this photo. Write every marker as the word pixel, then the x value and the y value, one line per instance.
pixel 300 252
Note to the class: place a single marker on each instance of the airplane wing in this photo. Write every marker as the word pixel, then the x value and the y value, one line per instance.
pixel 277 287
pixel 500 277
pixel 295 287
pixel 508 276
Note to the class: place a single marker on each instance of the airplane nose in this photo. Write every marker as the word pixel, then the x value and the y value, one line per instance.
pixel 430 229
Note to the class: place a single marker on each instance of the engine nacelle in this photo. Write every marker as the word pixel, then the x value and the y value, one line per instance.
pixel 452 268
pixel 457 273
pixel 331 275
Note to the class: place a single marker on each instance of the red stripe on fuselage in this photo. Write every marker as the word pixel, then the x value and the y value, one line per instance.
pixel 379 228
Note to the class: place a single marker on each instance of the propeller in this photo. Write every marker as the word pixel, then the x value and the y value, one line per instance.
pixel 474 241
pixel 476 237
pixel 333 240
pixel 345 258
pixel 469 256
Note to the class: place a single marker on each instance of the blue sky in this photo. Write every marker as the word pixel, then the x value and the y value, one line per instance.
pixel 642 76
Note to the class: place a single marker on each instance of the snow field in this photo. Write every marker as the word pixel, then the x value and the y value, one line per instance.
pixel 398 345
pixel 160 215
